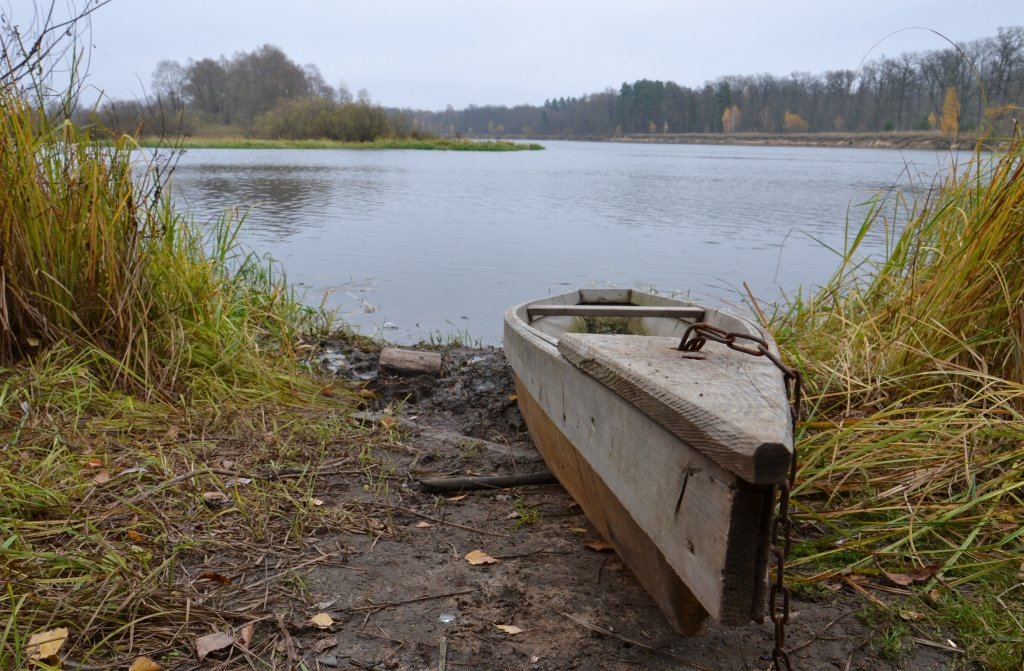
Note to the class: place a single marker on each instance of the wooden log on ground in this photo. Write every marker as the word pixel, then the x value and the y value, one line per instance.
pixel 410 362
pixel 455 484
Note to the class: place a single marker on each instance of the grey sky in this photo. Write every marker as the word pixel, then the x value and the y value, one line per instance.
pixel 419 54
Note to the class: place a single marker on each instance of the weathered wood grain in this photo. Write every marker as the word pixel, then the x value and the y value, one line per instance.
pixel 410 362
pixel 729 405
pixel 636 480
pixel 673 312
pixel 637 551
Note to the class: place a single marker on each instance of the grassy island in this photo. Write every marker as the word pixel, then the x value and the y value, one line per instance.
pixel 427 143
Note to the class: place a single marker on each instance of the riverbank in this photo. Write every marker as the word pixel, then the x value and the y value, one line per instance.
pixel 894 140
pixel 425 144
pixel 905 140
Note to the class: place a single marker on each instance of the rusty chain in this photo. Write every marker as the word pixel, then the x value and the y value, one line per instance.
pixel 694 338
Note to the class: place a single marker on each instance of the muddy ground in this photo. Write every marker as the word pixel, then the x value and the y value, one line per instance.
pixel 406 597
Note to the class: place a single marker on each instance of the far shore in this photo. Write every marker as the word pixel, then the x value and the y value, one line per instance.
pixel 892 140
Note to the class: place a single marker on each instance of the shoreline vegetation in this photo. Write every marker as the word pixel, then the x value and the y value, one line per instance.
pixel 915 100
pixel 423 143
pixel 893 140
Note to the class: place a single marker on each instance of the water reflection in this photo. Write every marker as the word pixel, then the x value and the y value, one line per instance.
pixel 285 200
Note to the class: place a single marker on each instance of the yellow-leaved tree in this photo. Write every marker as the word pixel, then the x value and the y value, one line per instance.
pixel 731 118
pixel 794 123
pixel 950 122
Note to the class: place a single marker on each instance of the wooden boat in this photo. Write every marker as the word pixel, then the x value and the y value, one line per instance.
pixel 673 456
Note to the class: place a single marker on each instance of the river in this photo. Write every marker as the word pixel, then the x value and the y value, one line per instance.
pixel 413 245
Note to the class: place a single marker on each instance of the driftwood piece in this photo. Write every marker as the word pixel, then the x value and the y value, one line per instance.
pixel 410 362
pixel 455 484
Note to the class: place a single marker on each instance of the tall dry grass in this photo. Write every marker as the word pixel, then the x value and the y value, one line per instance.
pixel 144 363
pixel 92 254
pixel 913 448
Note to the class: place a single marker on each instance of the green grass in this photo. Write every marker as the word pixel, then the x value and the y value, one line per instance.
pixel 912 446
pixel 444 144
pixel 145 366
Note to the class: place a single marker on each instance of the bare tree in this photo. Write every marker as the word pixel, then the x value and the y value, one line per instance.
pixel 42 49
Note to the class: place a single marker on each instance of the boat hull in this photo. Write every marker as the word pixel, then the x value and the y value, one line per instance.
pixel 693 533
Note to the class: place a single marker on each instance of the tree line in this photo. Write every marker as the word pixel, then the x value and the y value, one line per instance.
pixel 262 93
pixel 977 85
pixel 914 91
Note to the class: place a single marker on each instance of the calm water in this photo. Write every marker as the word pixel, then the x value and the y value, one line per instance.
pixel 414 243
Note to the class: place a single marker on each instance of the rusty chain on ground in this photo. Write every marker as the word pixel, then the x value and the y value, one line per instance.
pixel 694 338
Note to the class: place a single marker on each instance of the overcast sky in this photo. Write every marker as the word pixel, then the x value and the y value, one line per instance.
pixel 422 54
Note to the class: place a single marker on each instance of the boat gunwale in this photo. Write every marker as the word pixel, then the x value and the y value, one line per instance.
pixel 761 463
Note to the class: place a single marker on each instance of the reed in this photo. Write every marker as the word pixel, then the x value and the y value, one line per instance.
pixel 93 256
pixel 913 442
pixel 154 417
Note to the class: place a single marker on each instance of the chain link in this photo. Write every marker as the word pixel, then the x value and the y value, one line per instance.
pixel 694 338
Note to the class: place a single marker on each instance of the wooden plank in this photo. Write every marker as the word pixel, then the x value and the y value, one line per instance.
pixel 603 296
pixel 729 405
pixel 703 520
pixel 410 362
pixel 680 312
pixel 613 521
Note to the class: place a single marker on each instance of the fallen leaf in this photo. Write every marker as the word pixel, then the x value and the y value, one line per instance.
pixel 513 515
pixel 600 546
pixel 94 463
pixel 424 525
pixel 33 342
pixel 919 575
pixel 578 530
pixel 459 497
pixel 101 477
pixel 215 498
pixel 387 421
pixel 246 634
pixel 477 557
pixel 910 615
pixel 322 620
pixel 227 463
pixel 214 576
pixel 212 643
pixel 172 433
pixel 44 646
pixel 232 482
pixel 130 471
pixel 144 664
pixel 325 644
pixel 327 391
pixel 315 501
pixel 134 536
pixel 513 397
pixel 509 629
